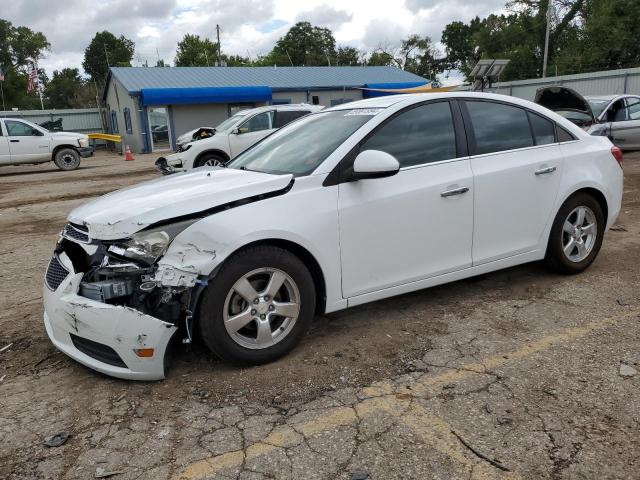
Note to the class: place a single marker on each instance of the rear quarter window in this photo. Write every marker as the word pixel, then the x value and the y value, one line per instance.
pixel 543 130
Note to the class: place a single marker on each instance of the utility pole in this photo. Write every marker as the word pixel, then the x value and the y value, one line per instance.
pixel 218 35
pixel 106 54
pixel 546 41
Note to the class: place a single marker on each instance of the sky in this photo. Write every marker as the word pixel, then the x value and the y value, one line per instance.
pixel 248 27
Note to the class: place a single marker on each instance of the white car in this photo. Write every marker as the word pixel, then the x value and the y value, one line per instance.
pixel 346 206
pixel 233 136
pixel 25 142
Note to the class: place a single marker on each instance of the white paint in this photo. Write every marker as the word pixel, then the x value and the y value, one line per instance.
pixel 371 238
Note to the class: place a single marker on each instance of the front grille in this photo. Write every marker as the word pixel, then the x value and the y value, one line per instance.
pixel 76 232
pixel 100 352
pixel 56 273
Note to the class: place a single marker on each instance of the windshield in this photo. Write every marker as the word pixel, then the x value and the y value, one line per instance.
pixel 300 147
pixel 229 123
pixel 597 105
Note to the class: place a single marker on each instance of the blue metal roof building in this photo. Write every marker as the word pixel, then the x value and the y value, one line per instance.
pixel 150 107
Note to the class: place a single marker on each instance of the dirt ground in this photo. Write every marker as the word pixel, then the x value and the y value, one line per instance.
pixel 516 374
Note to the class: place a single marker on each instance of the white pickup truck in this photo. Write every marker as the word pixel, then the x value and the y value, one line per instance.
pixel 25 142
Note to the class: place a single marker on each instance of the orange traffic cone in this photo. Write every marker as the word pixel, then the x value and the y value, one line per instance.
pixel 128 156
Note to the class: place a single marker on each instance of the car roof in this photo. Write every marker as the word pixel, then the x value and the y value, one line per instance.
pixel 286 106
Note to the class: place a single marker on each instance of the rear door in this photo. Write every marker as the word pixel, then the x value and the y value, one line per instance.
pixel 5 155
pixel 27 144
pixel 250 132
pixel 516 165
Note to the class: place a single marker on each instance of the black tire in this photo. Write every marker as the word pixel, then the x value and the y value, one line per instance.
pixel 67 159
pixel 214 301
pixel 556 258
pixel 212 159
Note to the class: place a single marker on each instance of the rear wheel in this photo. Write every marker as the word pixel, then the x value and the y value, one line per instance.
pixel 258 307
pixel 210 159
pixel 576 234
pixel 67 159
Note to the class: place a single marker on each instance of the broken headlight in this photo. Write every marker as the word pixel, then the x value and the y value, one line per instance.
pixel 148 246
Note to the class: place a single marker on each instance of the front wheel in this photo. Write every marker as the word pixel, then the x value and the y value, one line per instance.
pixel 67 159
pixel 209 159
pixel 258 307
pixel 576 234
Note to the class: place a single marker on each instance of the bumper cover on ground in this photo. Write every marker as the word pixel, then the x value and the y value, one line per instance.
pixel 91 332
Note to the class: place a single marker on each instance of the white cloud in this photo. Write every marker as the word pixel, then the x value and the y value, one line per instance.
pixel 247 26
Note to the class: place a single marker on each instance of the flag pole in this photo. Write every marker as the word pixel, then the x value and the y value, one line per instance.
pixel 38 84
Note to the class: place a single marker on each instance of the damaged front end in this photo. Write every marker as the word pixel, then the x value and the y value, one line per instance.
pixel 107 307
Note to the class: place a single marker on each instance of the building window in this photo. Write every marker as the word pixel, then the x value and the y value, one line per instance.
pixel 315 99
pixel 236 107
pixel 114 122
pixel 127 121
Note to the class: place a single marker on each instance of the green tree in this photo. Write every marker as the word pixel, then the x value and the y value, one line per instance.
pixel 381 58
pixel 106 50
pixel 303 45
pixel 346 56
pixel 67 89
pixel 19 46
pixel 194 51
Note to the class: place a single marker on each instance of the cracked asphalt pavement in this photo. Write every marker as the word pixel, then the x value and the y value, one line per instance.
pixel 519 374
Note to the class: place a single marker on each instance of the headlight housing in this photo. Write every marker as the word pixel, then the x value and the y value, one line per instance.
pixel 83 142
pixel 148 246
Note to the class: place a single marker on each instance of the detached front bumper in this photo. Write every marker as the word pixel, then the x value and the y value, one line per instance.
pixel 101 336
pixel 168 165
pixel 85 152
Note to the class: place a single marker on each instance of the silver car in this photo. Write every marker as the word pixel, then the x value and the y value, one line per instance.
pixel 613 116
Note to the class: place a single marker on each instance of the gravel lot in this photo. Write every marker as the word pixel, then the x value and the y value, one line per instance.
pixel 517 374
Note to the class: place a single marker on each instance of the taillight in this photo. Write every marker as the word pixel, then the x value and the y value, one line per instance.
pixel 617 154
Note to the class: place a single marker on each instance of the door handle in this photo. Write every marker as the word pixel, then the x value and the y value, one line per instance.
pixel 14 141
pixel 542 171
pixel 455 191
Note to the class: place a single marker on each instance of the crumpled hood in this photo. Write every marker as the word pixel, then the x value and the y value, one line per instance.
pixel 123 212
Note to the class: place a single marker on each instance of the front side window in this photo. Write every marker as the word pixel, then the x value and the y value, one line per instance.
pixel 633 108
pixel 617 112
pixel 287 116
pixel 257 123
pixel 423 134
pixel 543 131
pixel 498 127
pixel 19 129
pixel 300 147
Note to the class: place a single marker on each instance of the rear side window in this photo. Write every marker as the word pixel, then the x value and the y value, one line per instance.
pixel 288 116
pixel 498 127
pixel 424 134
pixel 633 108
pixel 543 130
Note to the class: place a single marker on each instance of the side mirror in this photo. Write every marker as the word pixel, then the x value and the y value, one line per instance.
pixel 374 164
pixel 235 131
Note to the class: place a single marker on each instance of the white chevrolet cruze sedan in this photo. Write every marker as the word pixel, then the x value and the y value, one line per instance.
pixel 345 206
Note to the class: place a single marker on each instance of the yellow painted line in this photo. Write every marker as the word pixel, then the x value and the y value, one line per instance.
pixel 432 429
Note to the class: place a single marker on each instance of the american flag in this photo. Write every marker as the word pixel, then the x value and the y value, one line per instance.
pixel 33 79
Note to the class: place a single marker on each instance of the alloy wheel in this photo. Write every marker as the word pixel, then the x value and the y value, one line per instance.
pixel 579 233
pixel 261 308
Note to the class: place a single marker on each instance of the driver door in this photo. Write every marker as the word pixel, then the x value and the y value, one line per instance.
pixel 625 122
pixel 27 144
pixel 417 223
pixel 250 132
